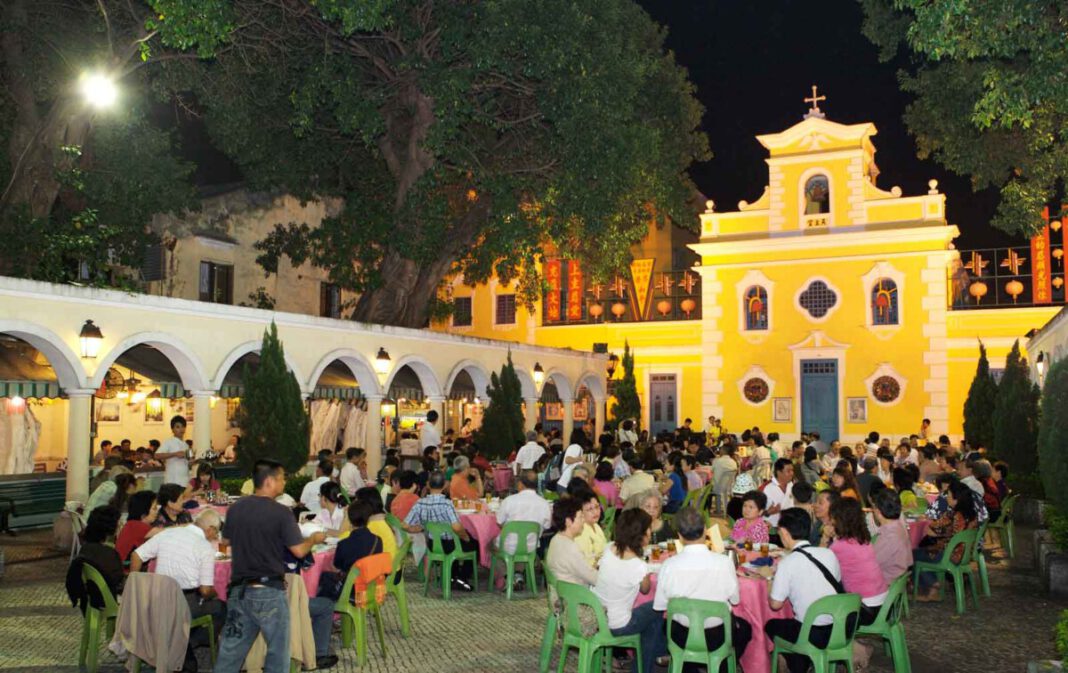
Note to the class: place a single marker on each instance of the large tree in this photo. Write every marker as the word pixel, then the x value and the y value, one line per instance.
pixel 979 405
pixel 990 79
pixel 463 136
pixel 1016 415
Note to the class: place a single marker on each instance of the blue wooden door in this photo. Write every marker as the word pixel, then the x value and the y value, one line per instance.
pixel 819 398
pixel 663 404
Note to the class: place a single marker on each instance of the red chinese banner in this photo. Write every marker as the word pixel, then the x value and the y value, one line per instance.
pixel 1041 283
pixel 552 299
pixel 574 290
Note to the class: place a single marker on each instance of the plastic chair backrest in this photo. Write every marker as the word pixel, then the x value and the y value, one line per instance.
pixel 398 528
pixel 398 558
pixel 435 531
pixel 696 612
pixel 608 521
pixel 551 495
pixel 892 609
pixel 92 578
pixel 373 572
pixel 522 530
pixel 573 597
pixel 1007 505
pixel 840 607
pixel 969 539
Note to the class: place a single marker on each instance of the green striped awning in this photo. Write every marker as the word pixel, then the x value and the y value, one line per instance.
pixel 171 391
pixel 336 393
pixel 29 389
pixel 229 391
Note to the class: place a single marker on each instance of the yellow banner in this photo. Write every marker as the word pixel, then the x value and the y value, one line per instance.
pixel 641 272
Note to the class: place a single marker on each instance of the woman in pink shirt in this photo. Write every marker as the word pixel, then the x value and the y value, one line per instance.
pixel 603 484
pixel 751 526
pixel 856 556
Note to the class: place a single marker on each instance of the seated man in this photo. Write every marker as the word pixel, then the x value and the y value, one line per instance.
pixel 800 578
pixel 435 507
pixel 525 505
pixel 697 572
pixel 185 553
pixel 309 497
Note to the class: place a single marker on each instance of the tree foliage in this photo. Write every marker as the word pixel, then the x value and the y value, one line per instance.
pixel 979 405
pixel 502 423
pixel 1016 415
pixel 627 405
pixel 463 136
pixel 272 418
pixel 1053 434
pixel 990 80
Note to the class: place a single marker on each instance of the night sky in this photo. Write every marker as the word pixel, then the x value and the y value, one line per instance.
pixel 753 61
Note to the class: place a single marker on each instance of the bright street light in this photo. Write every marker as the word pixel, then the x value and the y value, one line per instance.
pixel 99 90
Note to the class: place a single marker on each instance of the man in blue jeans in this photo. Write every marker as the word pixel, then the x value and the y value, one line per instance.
pixel 259 531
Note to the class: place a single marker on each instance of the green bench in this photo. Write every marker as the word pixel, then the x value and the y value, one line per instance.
pixel 31 501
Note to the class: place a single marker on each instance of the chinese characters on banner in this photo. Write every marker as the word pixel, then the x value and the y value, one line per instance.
pixel 1041 284
pixel 552 299
pixel 574 290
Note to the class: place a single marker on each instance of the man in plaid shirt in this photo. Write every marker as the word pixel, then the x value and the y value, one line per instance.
pixel 435 507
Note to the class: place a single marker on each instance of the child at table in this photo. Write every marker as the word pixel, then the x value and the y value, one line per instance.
pixel 751 526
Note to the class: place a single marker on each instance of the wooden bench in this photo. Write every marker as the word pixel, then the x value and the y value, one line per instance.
pixel 30 501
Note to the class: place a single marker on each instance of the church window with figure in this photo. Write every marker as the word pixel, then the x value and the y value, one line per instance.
pixel 756 308
pixel 817 195
pixel 884 302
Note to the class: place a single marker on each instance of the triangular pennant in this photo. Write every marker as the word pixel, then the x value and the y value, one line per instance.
pixel 641 273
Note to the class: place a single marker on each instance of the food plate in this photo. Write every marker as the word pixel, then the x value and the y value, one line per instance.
pixel 465 511
pixel 219 556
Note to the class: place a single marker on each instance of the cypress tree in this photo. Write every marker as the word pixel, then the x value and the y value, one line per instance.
pixel 273 421
pixel 627 404
pixel 979 406
pixel 502 422
pixel 1016 416
pixel 1053 435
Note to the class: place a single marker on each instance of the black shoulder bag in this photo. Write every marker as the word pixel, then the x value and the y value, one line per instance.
pixel 835 584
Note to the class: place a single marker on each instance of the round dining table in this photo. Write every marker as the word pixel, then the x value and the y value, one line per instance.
pixel 324 558
pixel 484 529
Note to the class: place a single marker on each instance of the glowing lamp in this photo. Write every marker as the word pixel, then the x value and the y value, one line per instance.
pixel 382 362
pixel 1014 288
pixel 154 402
pixel 610 366
pixel 90 338
pixel 596 310
pixel 1040 364
pixel 539 374
pixel 663 307
pixel 99 90
pixel 389 408
pixel 618 309
pixel 688 306
pixel 978 290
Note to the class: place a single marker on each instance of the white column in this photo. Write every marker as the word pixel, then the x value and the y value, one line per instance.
pixel 79 404
pixel 598 420
pixel 531 412
pixel 569 420
pixel 201 421
pixel 437 403
pixel 372 442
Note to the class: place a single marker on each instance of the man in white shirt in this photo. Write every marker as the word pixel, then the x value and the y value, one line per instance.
pixel 185 554
pixel 872 447
pixel 528 454
pixel 175 454
pixel 697 572
pixel 525 505
pixel 428 434
pixel 572 457
pixel 309 497
pixel 351 478
pixel 779 490
pixel 800 579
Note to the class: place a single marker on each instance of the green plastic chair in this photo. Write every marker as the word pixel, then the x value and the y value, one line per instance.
pixel 957 571
pixel 980 559
pixel 1005 526
pixel 435 553
pixel 696 649
pixel 840 646
pixel 608 522
pixel 354 617
pixel 552 624
pixel 888 626
pixel 523 554
pixel 550 496
pixel 95 618
pixel 396 586
pixel 402 536
pixel 593 648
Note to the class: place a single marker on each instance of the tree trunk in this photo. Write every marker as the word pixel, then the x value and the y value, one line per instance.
pixel 403 298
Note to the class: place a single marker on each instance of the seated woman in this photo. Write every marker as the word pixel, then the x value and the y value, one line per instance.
pixel 103 493
pixel 679 483
pixel 359 543
pixel 591 541
pixel 984 472
pixel 961 515
pixel 603 483
pixel 903 483
pixel 811 468
pixel 376 523
pixel 751 527
pixel 845 482
pixel 852 546
pixel 97 550
pixel 466 481
pixel 125 486
pixel 649 502
pixel 564 558
pixel 821 518
pixel 332 515
pixel 622 574
pixel 205 482
pixel 171 512
pixel 142 511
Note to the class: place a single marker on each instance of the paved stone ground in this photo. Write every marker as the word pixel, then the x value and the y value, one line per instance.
pixel 483 633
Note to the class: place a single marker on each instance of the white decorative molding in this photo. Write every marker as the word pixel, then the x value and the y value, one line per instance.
pixel 756 372
pixel 804 286
pixel 751 278
pixel 886 369
pixel 883 269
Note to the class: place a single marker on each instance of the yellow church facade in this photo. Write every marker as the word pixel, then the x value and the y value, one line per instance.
pixel 825 304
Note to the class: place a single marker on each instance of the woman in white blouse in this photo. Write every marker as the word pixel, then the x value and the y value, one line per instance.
pixel 332 515
pixel 621 575
pixel 565 559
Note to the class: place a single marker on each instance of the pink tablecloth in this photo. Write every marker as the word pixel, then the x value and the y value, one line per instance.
pixel 752 607
pixel 931 497
pixel 323 560
pixel 917 529
pixel 221 509
pixel 484 529
pixel 502 479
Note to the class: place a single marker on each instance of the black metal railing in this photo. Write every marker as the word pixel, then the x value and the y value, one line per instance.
pixel 1008 277
pixel 671 295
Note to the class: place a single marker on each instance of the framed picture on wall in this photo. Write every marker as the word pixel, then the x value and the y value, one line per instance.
pixel 190 410
pixel 857 409
pixel 153 414
pixel 580 411
pixel 108 412
pixel 554 411
pixel 782 409
pixel 232 406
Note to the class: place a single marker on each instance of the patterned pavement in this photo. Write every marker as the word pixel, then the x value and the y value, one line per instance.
pixel 484 633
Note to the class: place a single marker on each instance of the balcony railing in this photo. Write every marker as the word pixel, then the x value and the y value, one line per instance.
pixel 1008 277
pixel 671 295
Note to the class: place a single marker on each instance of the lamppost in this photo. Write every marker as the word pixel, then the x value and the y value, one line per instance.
pixel 98 89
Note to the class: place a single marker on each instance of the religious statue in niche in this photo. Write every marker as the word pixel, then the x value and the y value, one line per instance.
pixel 756 390
pixel 885 389
pixel 817 193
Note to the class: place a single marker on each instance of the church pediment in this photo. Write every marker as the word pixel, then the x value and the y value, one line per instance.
pixel 818 135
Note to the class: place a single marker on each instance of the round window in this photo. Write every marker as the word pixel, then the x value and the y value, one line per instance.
pixel 756 390
pixel 885 389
